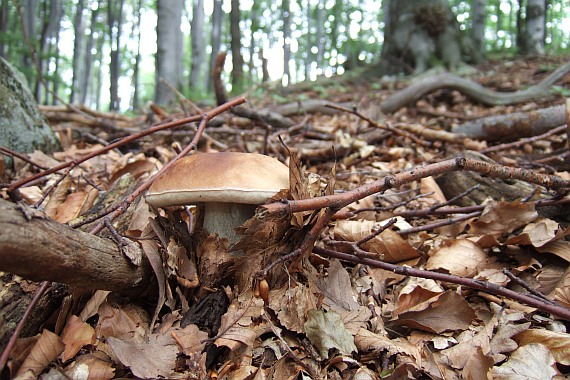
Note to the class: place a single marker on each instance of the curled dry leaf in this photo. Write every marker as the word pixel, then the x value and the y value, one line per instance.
pixel 532 361
pixel 291 304
pixel 558 343
pixel 459 257
pixel 76 334
pixel 445 312
pixel 389 243
pixel 94 365
pixel 47 349
pixel 501 218
pixel 539 233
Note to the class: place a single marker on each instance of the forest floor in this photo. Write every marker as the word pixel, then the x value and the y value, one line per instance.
pixel 409 267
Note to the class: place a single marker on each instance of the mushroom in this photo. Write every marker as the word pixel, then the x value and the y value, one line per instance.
pixel 230 185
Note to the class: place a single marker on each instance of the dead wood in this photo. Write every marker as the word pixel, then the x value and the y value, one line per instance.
pixel 423 86
pixel 515 125
pixel 40 249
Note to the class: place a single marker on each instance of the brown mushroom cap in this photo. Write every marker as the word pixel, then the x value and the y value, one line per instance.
pixel 219 177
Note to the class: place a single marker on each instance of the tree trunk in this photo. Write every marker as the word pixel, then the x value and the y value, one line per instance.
pixel 478 29
pixel 418 34
pixel 137 26
pixel 115 23
pixel 319 35
pixel 51 22
pixel 169 48
pixel 286 9
pixel 237 59
pixel 3 26
pixel 85 78
pixel 534 31
pixel 78 51
pixel 198 48
pixel 216 41
pixel 29 28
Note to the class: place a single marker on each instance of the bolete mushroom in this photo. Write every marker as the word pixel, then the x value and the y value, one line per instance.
pixel 230 185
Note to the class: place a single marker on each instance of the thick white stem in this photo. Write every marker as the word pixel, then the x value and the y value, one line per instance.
pixel 223 218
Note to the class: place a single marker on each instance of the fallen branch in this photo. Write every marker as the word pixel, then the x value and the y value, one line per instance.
pixel 473 90
pixel 484 286
pixel 515 125
pixel 40 249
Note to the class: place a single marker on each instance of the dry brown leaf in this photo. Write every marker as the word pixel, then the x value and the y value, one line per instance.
pixel 237 326
pixel 47 349
pixel 92 366
pixel 459 257
pixel 501 218
pixel 444 312
pixel 478 366
pixel 429 186
pixel 532 361
pixel 291 306
pixel 58 197
pixel 92 306
pixel 560 248
pixel 76 334
pixel 152 357
pixel 558 343
pixel 190 339
pixel 337 288
pixel 389 243
pixel 502 341
pixel 562 292
pixel 74 205
pixel 538 233
pixel 369 342
pixel 121 322
pixel 135 169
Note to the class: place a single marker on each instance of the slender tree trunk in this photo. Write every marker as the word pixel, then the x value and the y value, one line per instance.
pixel 520 28
pixel 286 16
pixel 3 26
pixel 50 29
pixel 534 31
pixel 97 87
pixel 309 56
pixel 237 59
pixel 169 48
pixel 251 72
pixel 216 40
pixel 198 48
pixel 137 29
pixel 478 29
pixel 320 39
pixel 78 51
pixel 115 23
pixel 56 76
pixel 85 78
pixel 29 12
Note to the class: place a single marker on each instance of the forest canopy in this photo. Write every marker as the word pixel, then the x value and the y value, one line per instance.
pixel 113 54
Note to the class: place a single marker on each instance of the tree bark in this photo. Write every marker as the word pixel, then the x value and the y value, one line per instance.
pixel 115 23
pixel 198 48
pixel 216 41
pixel 41 249
pixel 534 31
pixel 418 34
pixel 78 42
pixel 478 29
pixel 85 79
pixel 286 12
pixel 237 59
pixel 3 26
pixel 169 48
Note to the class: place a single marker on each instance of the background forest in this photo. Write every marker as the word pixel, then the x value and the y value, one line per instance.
pixel 118 54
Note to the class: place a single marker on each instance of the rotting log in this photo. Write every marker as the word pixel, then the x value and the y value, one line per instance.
pixel 40 249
